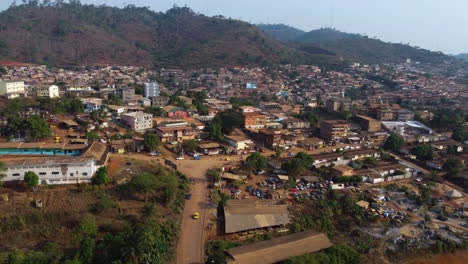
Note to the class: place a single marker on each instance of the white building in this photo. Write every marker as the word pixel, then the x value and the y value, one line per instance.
pixel 138 121
pixel 92 104
pixel 51 91
pixel 151 89
pixel 52 170
pixel 11 89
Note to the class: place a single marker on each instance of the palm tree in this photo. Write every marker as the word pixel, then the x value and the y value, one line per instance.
pixel 2 171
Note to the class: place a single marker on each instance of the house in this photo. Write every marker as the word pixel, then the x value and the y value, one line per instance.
pixel 50 91
pixel 405 115
pixel 254 120
pixel 294 123
pixel 269 105
pixel 338 104
pixel 126 145
pixel 368 124
pixel 92 104
pixel 279 249
pixel 151 89
pixel 245 215
pixel 186 100
pixel 11 89
pixel 387 115
pixel 441 145
pixel 177 133
pixel 370 176
pixel 342 170
pixel 327 159
pixel 210 148
pixel 126 93
pixel 175 112
pixel 239 142
pixel 435 164
pixel 138 121
pixel 248 109
pixel 52 170
pixel 311 143
pixel 160 101
pixel 334 129
pixel 362 154
pixel 270 137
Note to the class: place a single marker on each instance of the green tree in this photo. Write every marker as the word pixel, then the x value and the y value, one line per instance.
pixel 230 120
pixel 93 136
pixel 256 162
pixel 53 252
pixel 148 210
pixel 423 152
pixel 214 174
pixel 453 167
pixel 31 179
pixel 214 130
pixel 35 128
pixel 87 228
pixel 86 250
pixel 190 145
pixel 75 106
pixel 459 134
pixel 2 172
pixel 143 183
pixel 151 141
pixel 393 143
pixel 101 177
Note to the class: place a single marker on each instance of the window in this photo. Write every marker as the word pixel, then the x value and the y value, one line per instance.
pixel 71 174
pixel 55 173
pixel 42 173
pixel 16 174
pixel 85 174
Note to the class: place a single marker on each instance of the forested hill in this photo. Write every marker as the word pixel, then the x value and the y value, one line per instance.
pixel 355 47
pixel 281 32
pixel 72 34
pixel 463 56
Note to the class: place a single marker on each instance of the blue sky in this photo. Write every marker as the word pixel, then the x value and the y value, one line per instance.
pixel 433 24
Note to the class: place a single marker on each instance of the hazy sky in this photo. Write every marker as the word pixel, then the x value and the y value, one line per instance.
pixel 433 24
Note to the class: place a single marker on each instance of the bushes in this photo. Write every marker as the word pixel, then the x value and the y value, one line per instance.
pixel 101 177
pixel 104 203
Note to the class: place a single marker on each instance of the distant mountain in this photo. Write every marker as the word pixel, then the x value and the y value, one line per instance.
pixel 281 32
pixel 325 35
pixel 358 48
pixel 463 56
pixel 76 34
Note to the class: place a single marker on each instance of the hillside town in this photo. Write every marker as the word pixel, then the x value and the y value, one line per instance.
pixel 275 158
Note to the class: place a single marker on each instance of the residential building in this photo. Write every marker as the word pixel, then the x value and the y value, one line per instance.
pixel 51 91
pixel 294 123
pixel 362 154
pixel 92 104
pixel 239 142
pixel 254 120
pixel 176 133
pixel 151 89
pixel 338 104
pixel 11 89
pixel 176 112
pixel 160 101
pixel 138 121
pixel 186 100
pixel 342 170
pixel 387 115
pixel 269 105
pixel 126 93
pixel 52 170
pixel 334 129
pixel 405 115
pixel 311 143
pixel 369 124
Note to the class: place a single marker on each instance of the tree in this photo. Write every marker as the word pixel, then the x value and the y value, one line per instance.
pixel 101 177
pixel 31 179
pixel 299 165
pixel 35 128
pixel 2 172
pixel 87 228
pixel 86 249
pixel 230 119
pixel 143 183
pixel 93 136
pixel 190 145
pixel 151 141
pixel 423 152
pixel 256 162
pixel 453 167
pixel 459 134
pixel 393 143
pixel 214 130
pixel 214 174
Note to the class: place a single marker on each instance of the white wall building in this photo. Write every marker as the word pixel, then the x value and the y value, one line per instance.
pixel 138 121
pixel 11 89
pixel 53 170
pixel 151 89
pixel 92 104
pixel 51 91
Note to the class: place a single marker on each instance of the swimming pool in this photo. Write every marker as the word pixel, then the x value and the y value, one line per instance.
pixel 20 151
